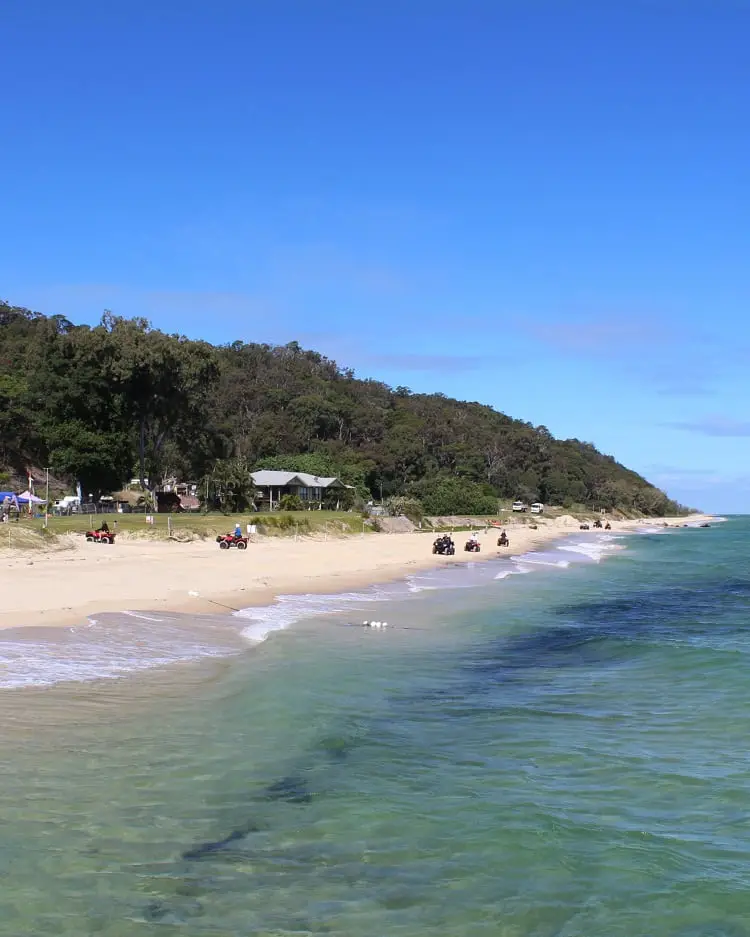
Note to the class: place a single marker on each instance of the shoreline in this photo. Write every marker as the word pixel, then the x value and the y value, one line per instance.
pixel 65 588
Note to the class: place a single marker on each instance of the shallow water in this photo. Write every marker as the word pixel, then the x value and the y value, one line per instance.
pixel 557 754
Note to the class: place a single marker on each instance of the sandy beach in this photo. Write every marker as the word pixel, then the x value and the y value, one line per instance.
pixel 67 586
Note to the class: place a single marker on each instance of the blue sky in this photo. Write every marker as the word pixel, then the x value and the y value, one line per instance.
pixel 538 205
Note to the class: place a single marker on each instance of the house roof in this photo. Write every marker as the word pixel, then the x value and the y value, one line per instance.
pixel 266 477
pixel 127 496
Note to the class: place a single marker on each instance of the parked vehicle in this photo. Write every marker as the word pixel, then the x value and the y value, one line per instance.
pixel 537 508
pixel 226 541
pixel 70 504
pixel 520 507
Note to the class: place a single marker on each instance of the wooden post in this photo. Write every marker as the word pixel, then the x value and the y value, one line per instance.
pixel 169 524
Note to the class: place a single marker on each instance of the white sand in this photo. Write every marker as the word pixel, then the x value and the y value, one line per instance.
pixel 64 587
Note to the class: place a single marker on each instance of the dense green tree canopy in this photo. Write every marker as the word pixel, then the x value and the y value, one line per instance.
pixel 122 399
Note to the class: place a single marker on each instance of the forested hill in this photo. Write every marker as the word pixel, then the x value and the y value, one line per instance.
pixel 119 400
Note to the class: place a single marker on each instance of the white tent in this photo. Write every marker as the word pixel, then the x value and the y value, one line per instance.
pixel 28 498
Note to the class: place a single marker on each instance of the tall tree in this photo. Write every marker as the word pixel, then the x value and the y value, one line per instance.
pixel 163 381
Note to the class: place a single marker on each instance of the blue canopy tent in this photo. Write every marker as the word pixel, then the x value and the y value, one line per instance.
pixel 8 499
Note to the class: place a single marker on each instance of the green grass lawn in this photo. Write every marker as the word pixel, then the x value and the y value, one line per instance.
pixel 335 523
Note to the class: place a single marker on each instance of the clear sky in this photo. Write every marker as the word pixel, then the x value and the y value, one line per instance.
pixel 544 206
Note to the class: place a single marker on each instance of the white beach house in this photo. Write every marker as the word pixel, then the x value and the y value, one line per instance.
pixel 271 486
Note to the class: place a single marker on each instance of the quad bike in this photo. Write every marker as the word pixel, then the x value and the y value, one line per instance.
pixel 472 546
pixel 226 541
pixel 502 540
pixel 583 526
pixel 100 536
pixel 444 546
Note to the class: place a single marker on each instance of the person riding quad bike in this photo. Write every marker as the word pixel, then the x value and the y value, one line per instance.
pixel 472 544
pixel 502 540
pixel 444 545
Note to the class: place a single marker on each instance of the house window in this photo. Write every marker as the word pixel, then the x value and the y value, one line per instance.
pixel 304 493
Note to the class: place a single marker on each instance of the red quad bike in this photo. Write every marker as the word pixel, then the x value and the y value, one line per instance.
pixel 472 546
pixel 100 536
pixel 226 541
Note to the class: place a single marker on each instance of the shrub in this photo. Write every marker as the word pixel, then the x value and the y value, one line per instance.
pixel 339 499
pixel 453 495
pixel 290 502
pixel 409 507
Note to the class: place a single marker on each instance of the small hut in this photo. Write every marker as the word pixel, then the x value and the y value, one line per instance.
pixel 126 500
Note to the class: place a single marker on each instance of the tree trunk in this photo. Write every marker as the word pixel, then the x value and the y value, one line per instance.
pixel 142 453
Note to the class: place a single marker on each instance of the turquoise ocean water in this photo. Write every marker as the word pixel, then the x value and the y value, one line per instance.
pixel 552 746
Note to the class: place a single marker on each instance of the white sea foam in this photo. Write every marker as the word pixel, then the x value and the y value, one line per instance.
pixel 141 616
pixel 594 548
pixel 591 551
pixel 700 523
pixel 288 609
pixel 101 649
pixel 540 559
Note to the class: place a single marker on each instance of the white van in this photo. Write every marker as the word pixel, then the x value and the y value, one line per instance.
pixel 537 508
pixel 70 504
pixel 519 506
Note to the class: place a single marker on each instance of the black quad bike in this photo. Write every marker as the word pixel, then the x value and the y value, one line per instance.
pixel 444 546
